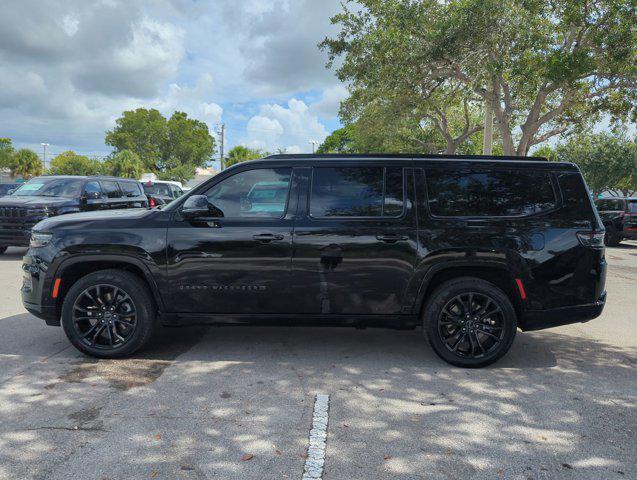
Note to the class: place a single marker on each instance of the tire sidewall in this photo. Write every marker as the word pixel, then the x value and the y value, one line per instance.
pixel 444 294
pixel 140 297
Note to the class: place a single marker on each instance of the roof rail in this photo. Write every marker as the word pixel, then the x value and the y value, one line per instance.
pixel 419 156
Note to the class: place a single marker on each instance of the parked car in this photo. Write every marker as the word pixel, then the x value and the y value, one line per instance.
pixel 469 248
pixel 619 215
pixel 49 196
pixel 5 188
pixel 161 192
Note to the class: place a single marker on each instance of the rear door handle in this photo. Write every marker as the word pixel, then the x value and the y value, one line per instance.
pixel 267 237
pixel 391 238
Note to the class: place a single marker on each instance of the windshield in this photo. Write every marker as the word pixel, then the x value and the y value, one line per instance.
pixel 5 187
pixel 50 187
pixel 157 189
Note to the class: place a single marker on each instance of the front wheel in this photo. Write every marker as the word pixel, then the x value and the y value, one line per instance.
pixel 108 314
pixel 469 322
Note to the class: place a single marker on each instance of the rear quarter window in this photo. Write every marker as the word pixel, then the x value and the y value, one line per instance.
pixel 488 193
pixel 130 189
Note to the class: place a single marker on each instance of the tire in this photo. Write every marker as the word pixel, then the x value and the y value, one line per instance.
pixel 126 311
pixel 611 238
pixel 3 249
pixel 455 337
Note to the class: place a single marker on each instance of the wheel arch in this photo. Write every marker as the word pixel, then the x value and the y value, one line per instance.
pixel 495 273
pixel 78 266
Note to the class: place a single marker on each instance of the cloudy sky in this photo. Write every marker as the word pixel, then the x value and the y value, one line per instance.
pixel 68 68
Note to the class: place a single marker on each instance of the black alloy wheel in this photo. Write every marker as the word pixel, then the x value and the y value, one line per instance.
pixel 471 325
pixel 469 322
pixel 104 316
pixel 109 314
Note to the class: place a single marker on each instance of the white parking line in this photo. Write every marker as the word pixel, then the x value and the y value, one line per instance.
pixel 313 469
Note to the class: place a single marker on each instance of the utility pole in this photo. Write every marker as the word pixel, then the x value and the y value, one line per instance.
pixel 487 145
pixel 44 145
pixel 223 134
pixel 314 143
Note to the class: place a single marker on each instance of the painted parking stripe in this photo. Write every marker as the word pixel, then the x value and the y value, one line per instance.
pixel 313 469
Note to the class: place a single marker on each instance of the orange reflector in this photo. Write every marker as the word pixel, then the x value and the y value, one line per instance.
pixel 521 288
pixel 56 287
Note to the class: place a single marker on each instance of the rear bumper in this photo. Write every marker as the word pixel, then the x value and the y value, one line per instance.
pixel 555 317
pixel 629 233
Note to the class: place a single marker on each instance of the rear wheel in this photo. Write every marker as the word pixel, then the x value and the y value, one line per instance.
pixel 3 249
pixel 469 322
pixel 108 314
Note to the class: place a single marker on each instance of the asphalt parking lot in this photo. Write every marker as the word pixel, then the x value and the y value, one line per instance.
pixel 237 403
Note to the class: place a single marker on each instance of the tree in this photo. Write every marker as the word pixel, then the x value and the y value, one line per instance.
pixel 546 68
pixel 339 141
pixel 180 173
pixel 241 154
pixel 608 162
pixel 6 151
pixel 162 144
pixel 70 163
pixel 124 164
pixel 25 163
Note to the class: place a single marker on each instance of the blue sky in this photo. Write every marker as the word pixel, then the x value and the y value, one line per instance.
pixel 70 67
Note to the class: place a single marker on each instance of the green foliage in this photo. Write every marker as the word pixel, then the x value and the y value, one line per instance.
pixel 339 141
pixel 25 163
pixel 124 164
pixel 608 162
pixel 241 154
pixel 163 145
pixel 70 163
pixel 546 68
pixel 545 151
pixel 6 151
pixel 180 173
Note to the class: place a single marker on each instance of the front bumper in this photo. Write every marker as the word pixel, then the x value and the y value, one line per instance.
pixel 36 290
pixel 629 233
pixel 15 237
pixel 555 317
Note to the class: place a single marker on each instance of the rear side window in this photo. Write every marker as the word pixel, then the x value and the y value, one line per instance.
pixel 130 189
pixel 493 193
pixel 609 205
pixel 632 206
pixel 111 189
pixel 357 192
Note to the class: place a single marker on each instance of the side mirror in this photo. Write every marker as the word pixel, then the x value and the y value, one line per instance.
pixel 198 206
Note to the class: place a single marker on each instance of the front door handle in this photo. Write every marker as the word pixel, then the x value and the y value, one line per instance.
pixel 267 237
pixel 391 238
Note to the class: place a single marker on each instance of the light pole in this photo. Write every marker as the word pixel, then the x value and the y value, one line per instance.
pixel 44 145
pixel 314 144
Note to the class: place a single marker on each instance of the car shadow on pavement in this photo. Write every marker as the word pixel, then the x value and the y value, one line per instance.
pixel 199 398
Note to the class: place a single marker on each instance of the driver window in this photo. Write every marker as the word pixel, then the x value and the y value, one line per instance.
pixel 260 193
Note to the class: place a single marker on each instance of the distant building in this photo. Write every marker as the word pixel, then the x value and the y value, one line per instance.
pixel 201 175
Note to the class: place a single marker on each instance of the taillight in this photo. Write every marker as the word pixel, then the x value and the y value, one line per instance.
pixel 591 239
pixel 152 203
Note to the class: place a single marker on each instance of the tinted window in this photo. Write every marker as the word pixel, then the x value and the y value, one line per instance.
pixel 162 189
pixel 177 192
pixel 50 187
pixel 111 189
pixel 632 206
pixel 5 187
pixel 130 189
pixel 92 187
pixel 260 193
pixel 357 192
pixel 494 193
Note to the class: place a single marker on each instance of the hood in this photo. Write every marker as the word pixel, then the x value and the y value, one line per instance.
pixel 34 202
pixel 98 220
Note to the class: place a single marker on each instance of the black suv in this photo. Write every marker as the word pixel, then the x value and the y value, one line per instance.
pixel 620 219
pixel 471 248
pixel 48 196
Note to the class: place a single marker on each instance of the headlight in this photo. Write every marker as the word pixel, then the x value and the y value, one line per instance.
pixel 40 239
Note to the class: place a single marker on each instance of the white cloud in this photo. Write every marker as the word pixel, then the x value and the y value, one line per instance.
pixel 329 104
pixel 279 127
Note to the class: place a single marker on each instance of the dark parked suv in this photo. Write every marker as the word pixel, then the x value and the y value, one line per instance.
pixel 469 248
pixel 49 196
pixel 619 216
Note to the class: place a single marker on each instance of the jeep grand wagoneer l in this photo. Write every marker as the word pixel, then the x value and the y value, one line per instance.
pixel 469 248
